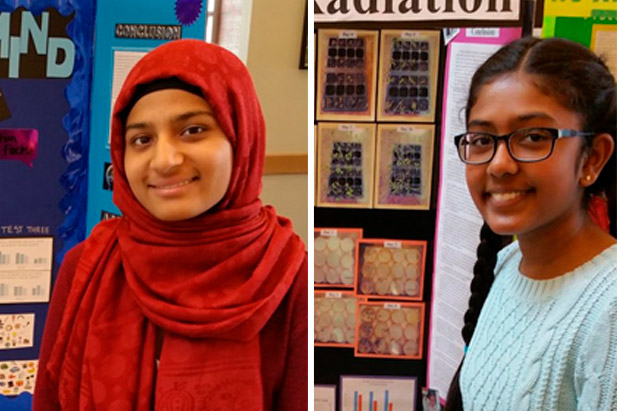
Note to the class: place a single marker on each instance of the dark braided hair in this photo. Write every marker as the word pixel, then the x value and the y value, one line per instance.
pixel 582 83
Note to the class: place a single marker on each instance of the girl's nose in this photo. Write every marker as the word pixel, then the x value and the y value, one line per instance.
pixel 502 162
pixel 166 155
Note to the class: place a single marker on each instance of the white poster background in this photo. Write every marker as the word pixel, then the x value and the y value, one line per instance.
pixel 25 269
pixel 123 61
pixel 421 10
pixel 458 225
pixel 325 398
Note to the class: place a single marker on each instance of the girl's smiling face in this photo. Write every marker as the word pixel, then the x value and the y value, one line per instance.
pixel 522 198
pixel 177 160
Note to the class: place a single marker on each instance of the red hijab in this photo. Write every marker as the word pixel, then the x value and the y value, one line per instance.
pixel 211 282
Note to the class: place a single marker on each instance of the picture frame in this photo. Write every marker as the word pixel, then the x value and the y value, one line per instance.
pixel 345 164
pixel 370 392
pixel 389 330
pixel 304 53
pixel 404 166
pixel 346 75
pixel 390 269
pixel 335 318
pixel 335 256
pixel 409 64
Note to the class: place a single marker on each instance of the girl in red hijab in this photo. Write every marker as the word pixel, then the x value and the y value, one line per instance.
pixel 196 298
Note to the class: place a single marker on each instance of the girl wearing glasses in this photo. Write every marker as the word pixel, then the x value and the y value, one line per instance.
pixel 540 163
pixel 196 298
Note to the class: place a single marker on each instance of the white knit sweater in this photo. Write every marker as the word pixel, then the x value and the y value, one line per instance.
pixel 545 344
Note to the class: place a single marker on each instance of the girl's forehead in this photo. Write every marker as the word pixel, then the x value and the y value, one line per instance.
pixel 518 98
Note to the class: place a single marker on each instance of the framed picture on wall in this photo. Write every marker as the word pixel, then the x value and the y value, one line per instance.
pixel 335 318
pixel 389 330
pixel 304 54
pixel 409 63
pixel 345 164
pixel 391 269
pixel 335 256
pixel 346 75
pixel 404 166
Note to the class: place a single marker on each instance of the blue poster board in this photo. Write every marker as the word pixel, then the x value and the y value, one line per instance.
pixel 45 76
pixel 122 32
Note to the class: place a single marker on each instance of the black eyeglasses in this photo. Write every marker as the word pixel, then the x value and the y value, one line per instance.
pixel 527 145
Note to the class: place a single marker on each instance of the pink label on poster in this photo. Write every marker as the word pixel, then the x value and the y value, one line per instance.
pixel 19 144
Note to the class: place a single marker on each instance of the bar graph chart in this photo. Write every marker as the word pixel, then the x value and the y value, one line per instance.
pixel 373 403
pixel 25 269
pixel 375 393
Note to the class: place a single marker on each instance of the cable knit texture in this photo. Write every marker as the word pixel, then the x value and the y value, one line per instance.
pixel 545 344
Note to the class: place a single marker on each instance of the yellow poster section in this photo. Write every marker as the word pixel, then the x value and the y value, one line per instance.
pixel 603 42
pixel 576 8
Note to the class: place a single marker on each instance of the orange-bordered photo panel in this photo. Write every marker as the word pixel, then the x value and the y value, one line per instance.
pixel 335 256
pixel 389 330
pixel 390 269
pixel 335 318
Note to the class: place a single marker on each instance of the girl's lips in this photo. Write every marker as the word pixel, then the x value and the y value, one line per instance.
pixel 172 189
pixel 506 198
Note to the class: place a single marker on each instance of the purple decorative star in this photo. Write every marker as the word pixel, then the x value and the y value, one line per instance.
pixel 187 11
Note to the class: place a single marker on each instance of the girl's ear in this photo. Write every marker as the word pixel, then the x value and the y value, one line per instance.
pixel 596 157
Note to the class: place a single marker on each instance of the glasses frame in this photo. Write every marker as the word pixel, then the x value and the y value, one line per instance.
pixel 556 134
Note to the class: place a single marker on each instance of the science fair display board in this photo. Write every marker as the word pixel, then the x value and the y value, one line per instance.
pixel 381 78
pixel 125 33
pixel 45 73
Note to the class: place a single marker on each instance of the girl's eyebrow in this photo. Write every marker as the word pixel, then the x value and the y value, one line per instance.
pixel 191 114
pixel 483 123
pixel 534 115
pixel 176 119
pixel 522 118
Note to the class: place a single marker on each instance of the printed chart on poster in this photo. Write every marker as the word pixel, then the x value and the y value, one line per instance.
pixel 17 377
pixel 16 330
pixel 325 398
pixel 365 393
pixel 25 269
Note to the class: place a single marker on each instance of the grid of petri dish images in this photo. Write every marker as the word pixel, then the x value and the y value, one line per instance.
pixel 404 165
pixel 335 256
pixel 389 330
pixel 373 306
pixel 363 167
pixel 350 96
pixel 390 269
pixel 335 319
pixel 346 75
pixel 345 161
pixel 408 75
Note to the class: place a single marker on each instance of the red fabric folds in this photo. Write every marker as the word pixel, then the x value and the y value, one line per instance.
pixel 211 282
